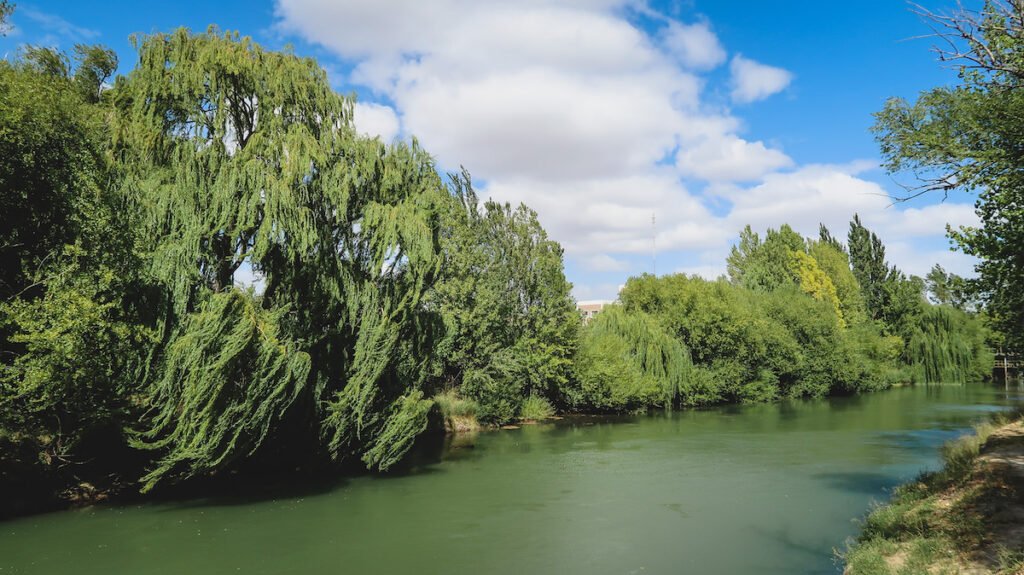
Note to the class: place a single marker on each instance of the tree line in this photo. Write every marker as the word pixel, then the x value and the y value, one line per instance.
pixel 129 351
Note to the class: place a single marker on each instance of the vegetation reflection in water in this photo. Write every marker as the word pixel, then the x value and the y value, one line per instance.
pixel 755 489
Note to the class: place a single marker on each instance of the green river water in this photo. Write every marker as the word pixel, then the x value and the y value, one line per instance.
pixel 756 489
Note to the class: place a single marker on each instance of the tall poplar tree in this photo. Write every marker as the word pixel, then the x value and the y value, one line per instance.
pixel 867 259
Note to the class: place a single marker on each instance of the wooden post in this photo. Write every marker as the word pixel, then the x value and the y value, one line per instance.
pixel 1006 370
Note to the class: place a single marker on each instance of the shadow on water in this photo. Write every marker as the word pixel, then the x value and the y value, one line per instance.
pixel 233 492
pixel 866 482
pixel 820 551
pixel 252 488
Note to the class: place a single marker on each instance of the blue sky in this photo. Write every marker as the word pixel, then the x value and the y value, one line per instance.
pixel 600 113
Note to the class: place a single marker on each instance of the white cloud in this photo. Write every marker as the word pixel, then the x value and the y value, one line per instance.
pixel 597 124
pixel 613 215
pixel 806 197
pixel 753 81
pixel 694 45
pixel 730 158
pixel 830 195
pixel 59 28
pixel 917 260
pixel 915 222
pixel 376 120
pixel 601 292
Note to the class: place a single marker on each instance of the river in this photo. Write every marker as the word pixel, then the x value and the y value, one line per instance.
pixel 759 489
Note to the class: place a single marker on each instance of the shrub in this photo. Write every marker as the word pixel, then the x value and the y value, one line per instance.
pixel 535 408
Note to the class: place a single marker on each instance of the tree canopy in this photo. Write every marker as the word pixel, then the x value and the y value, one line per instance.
pixel 967 137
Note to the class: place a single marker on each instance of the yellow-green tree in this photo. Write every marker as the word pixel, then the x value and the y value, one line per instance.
pixel 815 282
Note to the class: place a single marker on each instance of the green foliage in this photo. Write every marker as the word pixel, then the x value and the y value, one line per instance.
pixel 457 413
pixel 758 345
pixel 130 209
pixel 75 316
pixel 227 379
pixel 242 156
pixel 50 171
pixel 948 345
pixel 890 297
pixel 452 405
pixel 867 259
pixel 815 282
pixel 95 66
pixel 833 260
pixel 496 388
pixel 764 266
pixel 402 423
pixel 946 288
pixel 510 323
pixel 628 362
pixel 536 408
pixel 6 9
pixel 967 137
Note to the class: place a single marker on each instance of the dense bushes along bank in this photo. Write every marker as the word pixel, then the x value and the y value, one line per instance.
pixel 129 355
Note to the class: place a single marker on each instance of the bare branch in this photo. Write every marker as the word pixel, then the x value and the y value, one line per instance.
pixel 965 36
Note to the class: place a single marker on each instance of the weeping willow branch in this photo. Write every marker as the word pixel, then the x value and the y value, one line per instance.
pixel 629 361
pixel 947 348
pixel 228 378
pixel 243 156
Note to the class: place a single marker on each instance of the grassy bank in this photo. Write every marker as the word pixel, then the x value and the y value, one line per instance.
pixel 966 518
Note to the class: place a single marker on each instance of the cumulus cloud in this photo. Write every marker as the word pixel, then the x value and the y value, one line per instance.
pixel 595 122
pixel 830 195
pixel 613 215
pixel 694 45
pixel 753 81
pixel 376 120
pixel 730 158
pixel 806 197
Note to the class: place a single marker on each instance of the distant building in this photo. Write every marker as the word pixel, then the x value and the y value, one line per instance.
pixel 589 309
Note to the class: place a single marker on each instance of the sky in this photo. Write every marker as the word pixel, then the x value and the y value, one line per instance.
pixel 603 114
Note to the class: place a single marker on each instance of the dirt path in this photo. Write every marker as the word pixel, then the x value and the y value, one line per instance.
pixel 967 519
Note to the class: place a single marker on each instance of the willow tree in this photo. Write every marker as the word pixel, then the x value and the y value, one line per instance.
pixel 948 345
pixel 628 361
pixel 244 158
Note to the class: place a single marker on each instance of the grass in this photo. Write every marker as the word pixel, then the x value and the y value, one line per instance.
pixel 939 522
pixel 459 413
pixel 535 408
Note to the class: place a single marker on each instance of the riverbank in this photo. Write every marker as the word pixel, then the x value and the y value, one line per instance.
pixel 966 518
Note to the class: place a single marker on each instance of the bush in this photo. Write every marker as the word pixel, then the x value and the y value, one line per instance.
pixel 535 408
pixel 458 413
pixel 496 390
pixel 452 405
